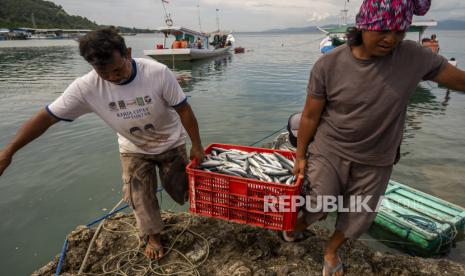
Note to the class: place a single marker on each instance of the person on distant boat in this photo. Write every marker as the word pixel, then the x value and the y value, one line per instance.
pixel 434 43
pixel 199 43
pixel 355 114
pixel 143 102
pixel 431 43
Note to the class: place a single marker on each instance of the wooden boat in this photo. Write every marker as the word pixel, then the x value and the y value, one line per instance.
pixel 239 50
pixel 189 44
pixel 196 46
pixel 417 222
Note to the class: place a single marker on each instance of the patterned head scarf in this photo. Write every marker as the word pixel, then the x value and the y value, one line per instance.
pixel 389 15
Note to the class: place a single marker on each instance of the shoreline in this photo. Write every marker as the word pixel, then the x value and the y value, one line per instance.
pixel 206 246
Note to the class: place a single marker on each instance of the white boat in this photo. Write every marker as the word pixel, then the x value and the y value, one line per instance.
pixel 335 36
pixel 189 44
pixel 196 45
pixel 184 54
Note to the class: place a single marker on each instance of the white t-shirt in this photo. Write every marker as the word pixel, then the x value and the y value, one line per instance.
pixel 140 111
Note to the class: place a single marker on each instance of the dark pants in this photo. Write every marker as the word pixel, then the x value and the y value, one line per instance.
pixel 140 184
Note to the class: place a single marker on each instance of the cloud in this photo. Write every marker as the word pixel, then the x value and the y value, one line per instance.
pixel 317 17
pixel 239 15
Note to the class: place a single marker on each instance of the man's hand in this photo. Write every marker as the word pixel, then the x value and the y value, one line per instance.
pixel 32 129
pixel 299 168
pixel 197 153
pixel 5 160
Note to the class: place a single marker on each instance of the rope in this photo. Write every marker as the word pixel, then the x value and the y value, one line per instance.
pixel 65 245
pixel 133 260
pixel 268 136
pixel 428 225
pixel 81 269
pixel 62 257
pixel 107 216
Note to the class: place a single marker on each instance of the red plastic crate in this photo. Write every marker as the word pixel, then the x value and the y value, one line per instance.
pixel 239 199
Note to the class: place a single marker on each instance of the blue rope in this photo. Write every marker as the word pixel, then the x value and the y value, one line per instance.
pixel 62 257
pixel 65 244
pixel 106 216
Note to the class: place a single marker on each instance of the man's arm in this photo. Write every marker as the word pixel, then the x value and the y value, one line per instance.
pixel 32 129
pixel 451 77
pixel 190 124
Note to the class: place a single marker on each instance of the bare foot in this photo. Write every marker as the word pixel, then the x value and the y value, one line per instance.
pixel 332 265
pixel 154 248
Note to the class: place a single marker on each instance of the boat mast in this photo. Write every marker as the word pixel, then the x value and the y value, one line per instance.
pixel 198 9
pixel 33 19
pixel 168 20
pixel 344 13
pixel 217 20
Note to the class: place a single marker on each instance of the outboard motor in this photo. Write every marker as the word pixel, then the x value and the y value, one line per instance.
pixel 293 127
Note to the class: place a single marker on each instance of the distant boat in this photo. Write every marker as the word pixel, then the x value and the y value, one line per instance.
pixel 335 36
pixel 189 44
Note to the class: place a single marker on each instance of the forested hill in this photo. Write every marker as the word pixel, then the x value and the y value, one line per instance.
pixel 22 13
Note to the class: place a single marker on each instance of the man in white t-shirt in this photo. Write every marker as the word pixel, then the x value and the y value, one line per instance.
pixel 143 102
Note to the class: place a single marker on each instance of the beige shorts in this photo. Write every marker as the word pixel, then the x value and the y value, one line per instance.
pixel 140 184
pixel 329 174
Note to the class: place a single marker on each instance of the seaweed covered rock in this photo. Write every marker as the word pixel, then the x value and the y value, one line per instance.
pixel 204 246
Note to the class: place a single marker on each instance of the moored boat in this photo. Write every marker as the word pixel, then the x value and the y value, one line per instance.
pixel 187 45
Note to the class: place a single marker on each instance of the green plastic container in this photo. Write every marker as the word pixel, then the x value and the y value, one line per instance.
pixel 417 222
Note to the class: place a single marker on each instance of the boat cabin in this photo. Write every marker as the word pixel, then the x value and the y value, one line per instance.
pixel 183 38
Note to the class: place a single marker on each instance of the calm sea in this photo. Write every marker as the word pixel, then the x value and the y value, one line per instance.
pixel 71 175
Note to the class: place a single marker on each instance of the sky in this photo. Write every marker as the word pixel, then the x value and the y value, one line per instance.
pixel 234 15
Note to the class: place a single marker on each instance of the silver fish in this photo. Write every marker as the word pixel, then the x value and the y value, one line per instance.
pixel 269 167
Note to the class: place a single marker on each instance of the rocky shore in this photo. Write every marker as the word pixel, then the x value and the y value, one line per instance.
pixel 204 246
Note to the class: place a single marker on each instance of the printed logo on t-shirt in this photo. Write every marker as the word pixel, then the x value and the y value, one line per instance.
pixel 121 105
pixel 113 106
pixel 140 101
pixel 131 103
